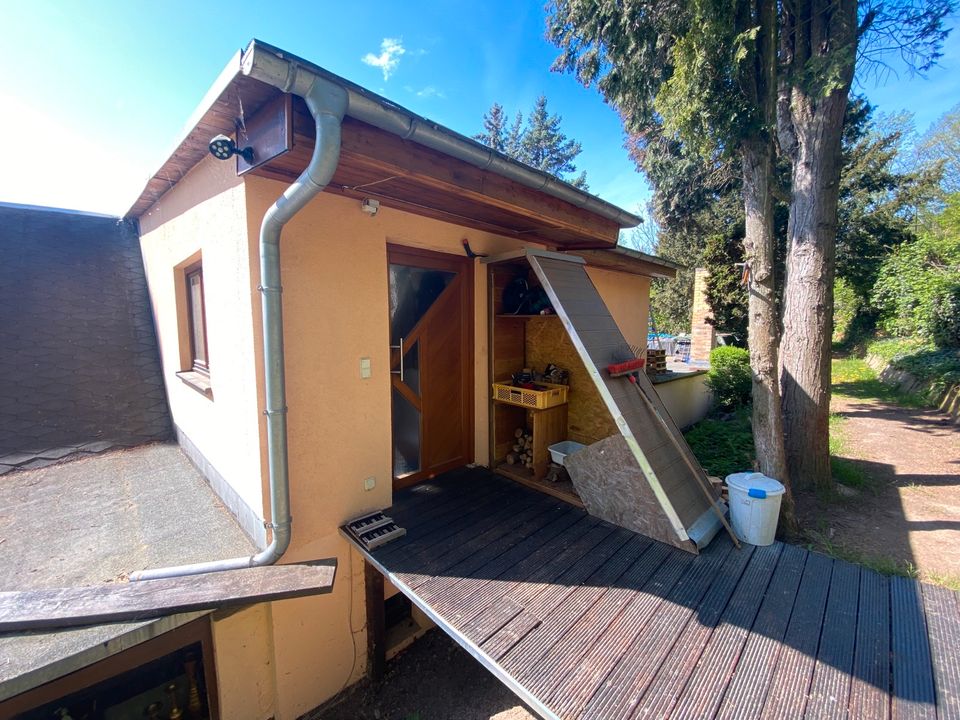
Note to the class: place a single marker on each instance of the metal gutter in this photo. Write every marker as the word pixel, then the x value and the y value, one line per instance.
pixel 327 103
pixel 382 113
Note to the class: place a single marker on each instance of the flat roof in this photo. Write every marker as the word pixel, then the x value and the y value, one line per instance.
pixel 93 521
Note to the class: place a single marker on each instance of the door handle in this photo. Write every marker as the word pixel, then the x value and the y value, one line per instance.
pixel 400 348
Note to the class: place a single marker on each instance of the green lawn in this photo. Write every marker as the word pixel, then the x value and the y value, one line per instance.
pixel 723 442
pixel 853 378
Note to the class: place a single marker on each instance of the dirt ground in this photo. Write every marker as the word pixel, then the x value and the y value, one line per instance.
pixel 433 680
pixel 911 511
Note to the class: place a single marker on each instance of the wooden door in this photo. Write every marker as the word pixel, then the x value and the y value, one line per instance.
pixel 431 363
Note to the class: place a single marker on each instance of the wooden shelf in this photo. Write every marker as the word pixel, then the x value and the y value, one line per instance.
pixel 561 490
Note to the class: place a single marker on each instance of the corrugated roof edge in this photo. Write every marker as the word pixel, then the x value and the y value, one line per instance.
pixel 469 149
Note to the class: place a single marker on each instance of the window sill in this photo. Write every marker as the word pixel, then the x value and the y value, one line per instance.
pixel 198 381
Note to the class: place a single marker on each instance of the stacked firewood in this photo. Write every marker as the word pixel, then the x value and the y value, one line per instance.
pixel 522 453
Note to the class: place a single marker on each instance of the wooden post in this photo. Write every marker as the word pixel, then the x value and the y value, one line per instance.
pixel 376 622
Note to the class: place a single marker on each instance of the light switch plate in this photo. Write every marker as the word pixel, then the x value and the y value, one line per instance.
pixel 369 483
pixel 365 368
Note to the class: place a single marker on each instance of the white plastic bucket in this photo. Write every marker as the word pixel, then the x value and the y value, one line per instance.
pixel 754 506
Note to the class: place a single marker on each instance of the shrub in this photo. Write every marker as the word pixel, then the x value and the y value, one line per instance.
pixel 730 377
pixel 846 305
pixel 918 287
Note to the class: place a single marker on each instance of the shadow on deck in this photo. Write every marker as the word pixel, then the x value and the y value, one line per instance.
pixel 583 619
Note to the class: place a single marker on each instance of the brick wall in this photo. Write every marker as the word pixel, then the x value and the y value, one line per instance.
pixel 703 336
pixel 79 367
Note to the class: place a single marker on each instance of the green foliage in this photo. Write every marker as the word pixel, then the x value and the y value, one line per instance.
pixel 938 366
pixel 729 377
pixel 878 203
pixel 725 293
pixel 918 286
pixel 846 305
pixel 540 143
pixel 941 144
pixel 723 445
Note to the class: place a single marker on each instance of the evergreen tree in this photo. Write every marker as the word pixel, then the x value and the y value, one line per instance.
pixel 540 144
pixel 494 128
pixel 722 78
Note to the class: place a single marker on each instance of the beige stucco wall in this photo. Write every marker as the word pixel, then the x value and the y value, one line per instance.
pixel 205 213
pixel 628 299
pixel 285 658
pixel 687 399
pixel 334 268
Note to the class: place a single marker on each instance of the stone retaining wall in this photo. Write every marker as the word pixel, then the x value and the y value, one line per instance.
pixel 948 401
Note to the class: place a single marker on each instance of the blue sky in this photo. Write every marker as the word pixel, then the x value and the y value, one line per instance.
pixel 93 94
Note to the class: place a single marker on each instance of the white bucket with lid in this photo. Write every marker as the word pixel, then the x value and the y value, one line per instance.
pixel 754 506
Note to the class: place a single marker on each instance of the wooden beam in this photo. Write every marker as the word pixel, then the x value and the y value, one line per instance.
pixel 382 151
pixel 131 602
pixel 376 622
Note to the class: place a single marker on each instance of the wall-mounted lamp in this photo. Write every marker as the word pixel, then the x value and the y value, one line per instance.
pixel 369 206
pixel 224 148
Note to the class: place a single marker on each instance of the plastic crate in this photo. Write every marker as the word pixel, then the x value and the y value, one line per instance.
pixel 536 399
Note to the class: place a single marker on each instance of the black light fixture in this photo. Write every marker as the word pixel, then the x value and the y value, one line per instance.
pixel 224 148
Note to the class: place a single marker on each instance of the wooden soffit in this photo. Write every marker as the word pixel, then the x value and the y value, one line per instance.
pixel 377 164
pixel 408 176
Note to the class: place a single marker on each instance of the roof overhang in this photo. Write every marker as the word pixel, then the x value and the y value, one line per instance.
pixel 623 259
pixel 398 157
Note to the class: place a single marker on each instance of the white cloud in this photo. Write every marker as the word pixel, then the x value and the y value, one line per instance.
pixel 391 50
pixel 429 92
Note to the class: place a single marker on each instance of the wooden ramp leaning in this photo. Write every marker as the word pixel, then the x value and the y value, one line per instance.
pixel 646 478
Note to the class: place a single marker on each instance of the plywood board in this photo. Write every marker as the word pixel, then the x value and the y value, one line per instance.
pixel 588 420
pixel 578 304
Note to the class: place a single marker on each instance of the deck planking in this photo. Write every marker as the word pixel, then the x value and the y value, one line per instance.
pixel 586 620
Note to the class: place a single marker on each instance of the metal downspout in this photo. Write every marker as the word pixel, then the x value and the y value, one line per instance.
pixel 327 103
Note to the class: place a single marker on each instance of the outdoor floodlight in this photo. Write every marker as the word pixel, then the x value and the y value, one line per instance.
pixel 224 148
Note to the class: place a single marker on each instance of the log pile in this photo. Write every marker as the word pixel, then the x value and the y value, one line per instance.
pixel 522 452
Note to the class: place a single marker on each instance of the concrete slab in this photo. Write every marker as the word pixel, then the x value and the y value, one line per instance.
pixel 96 520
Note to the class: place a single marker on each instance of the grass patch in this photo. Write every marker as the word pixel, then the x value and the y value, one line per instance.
pixel 853 378
pixel 883 564
pixel 846 472
pixel 723 443
pixel 947 580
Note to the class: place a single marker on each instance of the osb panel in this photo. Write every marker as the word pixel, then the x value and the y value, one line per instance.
pixel 588 417
pixel 613 488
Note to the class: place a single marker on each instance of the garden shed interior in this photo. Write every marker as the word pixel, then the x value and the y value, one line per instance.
pixel 636 470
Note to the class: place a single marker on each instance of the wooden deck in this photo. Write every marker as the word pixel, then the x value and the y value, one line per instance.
pixel 586 620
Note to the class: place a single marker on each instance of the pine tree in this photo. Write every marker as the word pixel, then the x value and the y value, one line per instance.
pixel 494 126
pixel 540 144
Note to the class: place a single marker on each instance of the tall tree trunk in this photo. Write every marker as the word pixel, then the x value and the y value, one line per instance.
pixel 822 32
pixel 764 323
pixel 759 79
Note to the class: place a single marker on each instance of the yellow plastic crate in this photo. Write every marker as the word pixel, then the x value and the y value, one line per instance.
pixel 536 399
